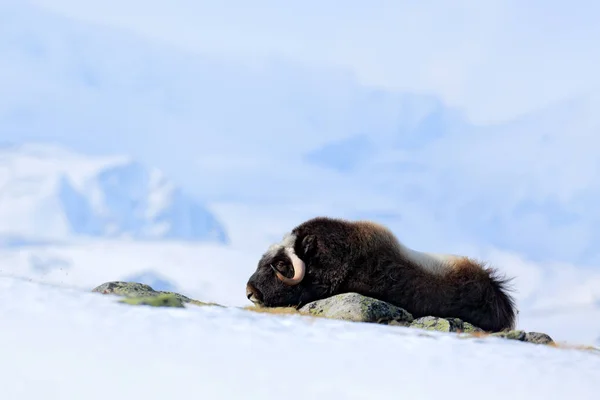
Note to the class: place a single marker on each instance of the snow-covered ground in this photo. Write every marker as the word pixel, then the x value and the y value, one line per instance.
pixel 208 272
pixel 59 343
pixel 558 302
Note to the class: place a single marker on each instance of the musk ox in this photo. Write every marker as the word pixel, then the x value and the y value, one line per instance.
pixel 324 256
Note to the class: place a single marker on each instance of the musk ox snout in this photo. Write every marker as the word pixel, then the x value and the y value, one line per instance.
pixel 253 294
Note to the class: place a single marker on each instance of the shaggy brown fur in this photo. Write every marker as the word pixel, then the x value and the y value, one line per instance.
pixel 363 257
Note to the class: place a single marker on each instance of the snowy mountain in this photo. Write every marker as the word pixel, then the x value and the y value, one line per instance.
pixel 50 193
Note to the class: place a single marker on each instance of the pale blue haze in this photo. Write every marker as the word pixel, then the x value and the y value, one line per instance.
pixel 466 126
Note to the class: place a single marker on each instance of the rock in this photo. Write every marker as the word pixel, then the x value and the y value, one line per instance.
pixel 514 334
pixel 136 290
pixel 346 306
pixel 529 337
pixel 129 289
pixel 538 338
pixel 159 300
pixel 470 328
pixel 444 325
pixel 457 325
pixel 357 308
pixel 435 324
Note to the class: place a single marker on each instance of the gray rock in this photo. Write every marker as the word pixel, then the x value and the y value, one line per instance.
pixel 137 290
pixel 470 328
pixel 538 338
pixel 160 300
pixel 514 334
pixel 357 308
pixel 127 289
pixel 444 325
pixel 529 337
pixel 434 324
pixel 346 306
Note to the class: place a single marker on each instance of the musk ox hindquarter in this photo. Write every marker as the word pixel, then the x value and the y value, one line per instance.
pixel 325 256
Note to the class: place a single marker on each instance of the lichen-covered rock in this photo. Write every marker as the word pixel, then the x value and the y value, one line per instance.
pixel 444 325
pixel 346 306
pixel 538 338
pixel 433 324
pixel 470 328
pixel 135 290
pixel 129 289
pixel 514 334
pixel 529 337
pixel 457 325
pixel 354 307
pixel 159 300
pixel 359 308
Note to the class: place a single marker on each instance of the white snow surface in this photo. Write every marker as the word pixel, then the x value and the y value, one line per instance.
pixel 68 344
pixel 553 301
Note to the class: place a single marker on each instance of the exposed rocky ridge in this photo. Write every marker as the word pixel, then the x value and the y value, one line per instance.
pixel 138 291
pixel 348 306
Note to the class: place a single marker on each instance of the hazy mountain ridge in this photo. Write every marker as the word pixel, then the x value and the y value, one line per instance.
pixel 253 134
pixel 47 192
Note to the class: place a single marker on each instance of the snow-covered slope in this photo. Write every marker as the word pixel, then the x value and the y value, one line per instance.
pixel 47 192
pixel 65 344
pixel 560 300
pixel 209 271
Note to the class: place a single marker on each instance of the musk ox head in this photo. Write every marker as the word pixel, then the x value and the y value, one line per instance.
pixel 281 278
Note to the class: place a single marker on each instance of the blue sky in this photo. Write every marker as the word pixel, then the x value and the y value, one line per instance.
pixel 469 127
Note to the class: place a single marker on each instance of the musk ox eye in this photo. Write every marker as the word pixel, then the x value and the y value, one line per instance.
pixel 279 266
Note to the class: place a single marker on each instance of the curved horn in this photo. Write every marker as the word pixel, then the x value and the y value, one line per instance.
pixel 299 270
